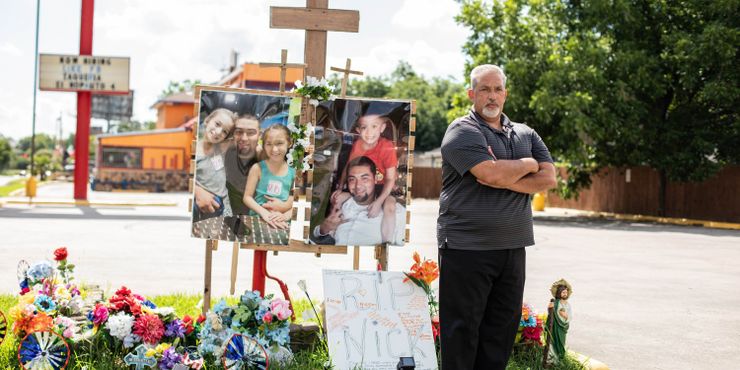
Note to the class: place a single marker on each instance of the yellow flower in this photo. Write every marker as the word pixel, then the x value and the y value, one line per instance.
pixel 151 352
pixel 27 298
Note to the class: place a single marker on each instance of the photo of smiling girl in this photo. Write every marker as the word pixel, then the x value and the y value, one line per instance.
pixel 210 175
pixel 272 178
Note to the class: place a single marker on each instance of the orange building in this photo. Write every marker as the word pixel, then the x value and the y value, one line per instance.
pixel 159 160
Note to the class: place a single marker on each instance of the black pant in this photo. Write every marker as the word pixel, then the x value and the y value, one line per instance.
pixel 480 297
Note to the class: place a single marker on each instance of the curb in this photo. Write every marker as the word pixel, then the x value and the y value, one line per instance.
pixel 588 362
pixel 85 203
pixel 667 220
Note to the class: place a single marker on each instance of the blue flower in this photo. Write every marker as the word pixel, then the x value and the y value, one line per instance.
pixel 45 304
pixel 149 304
pixel 220 306
pixel 40 270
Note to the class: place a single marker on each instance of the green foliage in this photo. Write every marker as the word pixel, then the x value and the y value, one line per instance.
pixel 134 125
pixel 433 99
pixel 41 141
pixel 6 153
pixel 619 83
pixel 178 87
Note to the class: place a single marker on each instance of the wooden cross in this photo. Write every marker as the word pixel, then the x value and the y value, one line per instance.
pixel 316 18
pixel 346 72
pixel 283 65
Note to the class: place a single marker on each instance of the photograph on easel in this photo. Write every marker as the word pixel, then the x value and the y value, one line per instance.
pixel 243 184
pixel 360 172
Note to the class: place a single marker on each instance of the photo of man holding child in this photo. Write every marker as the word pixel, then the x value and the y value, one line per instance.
pixel 243 184
pixel 360 172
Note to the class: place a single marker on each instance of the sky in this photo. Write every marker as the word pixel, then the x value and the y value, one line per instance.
pixel 174 40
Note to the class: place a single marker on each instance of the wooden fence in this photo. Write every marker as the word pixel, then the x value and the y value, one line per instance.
pixel 716 199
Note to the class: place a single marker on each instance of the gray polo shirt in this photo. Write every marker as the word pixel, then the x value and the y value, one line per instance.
pixel 473 216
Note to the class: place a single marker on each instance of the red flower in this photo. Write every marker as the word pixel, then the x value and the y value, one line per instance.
pixel 124 301
pixel 149 328
pixel 201 318
pixel 435 327
pixel 187 322
pixel 123 291
pixel 60 254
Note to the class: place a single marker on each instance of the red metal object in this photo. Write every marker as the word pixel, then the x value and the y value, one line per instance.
pixel 82 134
pixel 259 272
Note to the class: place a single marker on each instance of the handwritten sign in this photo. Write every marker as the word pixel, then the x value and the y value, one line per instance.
pixel 84 73
pixel 373 318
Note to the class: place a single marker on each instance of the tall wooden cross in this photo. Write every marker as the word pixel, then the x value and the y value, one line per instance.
pixel 283 65
pixel 347 71
pixel 316 18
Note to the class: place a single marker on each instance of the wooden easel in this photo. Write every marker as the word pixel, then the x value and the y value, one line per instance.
pixel 316 19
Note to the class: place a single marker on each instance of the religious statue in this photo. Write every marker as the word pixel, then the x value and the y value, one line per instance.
pixel 558 320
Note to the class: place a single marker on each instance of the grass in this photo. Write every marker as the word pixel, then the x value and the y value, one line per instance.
pixel 12 186
pixel 96 355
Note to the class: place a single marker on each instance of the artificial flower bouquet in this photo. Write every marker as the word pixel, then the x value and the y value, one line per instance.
pixel 126 320
pixel 531 326
pixel 266 320
pixel 48 299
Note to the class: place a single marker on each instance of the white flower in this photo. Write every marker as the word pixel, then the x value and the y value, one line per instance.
pixel 119 325
pixel 332 97
pixel 164 311
pixel 293 128
pixel 302 285
pixel 313 102
pixel 312 81
pixel 324 83
pixel 298 84
pixel 309 127
pixel 306 164
pixel 304 142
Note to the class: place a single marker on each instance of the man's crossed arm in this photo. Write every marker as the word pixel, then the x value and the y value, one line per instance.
pixel 524 175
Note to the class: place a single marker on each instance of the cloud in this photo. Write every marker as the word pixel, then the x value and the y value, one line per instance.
pixel 420 14
pixel 9 49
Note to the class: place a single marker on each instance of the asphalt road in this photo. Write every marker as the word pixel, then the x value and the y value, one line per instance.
pixel 646 296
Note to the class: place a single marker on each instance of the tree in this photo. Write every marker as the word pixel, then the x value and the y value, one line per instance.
pixel 6 153
pixel 619 83
pixel 41 141
pixel 134 125
pixel 178 86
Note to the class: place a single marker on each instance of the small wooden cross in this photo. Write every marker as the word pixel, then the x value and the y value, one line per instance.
pixel 140 359
pixel 347 71
pixel 316 18
pixel 283 65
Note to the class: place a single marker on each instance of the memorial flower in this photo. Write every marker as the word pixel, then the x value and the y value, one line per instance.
pixel 39 270
pixel 60 254
pixel 149 328
pixel 175 329
pixel 423 273
pixel 265 319
pixel 45 304
pixel 120 325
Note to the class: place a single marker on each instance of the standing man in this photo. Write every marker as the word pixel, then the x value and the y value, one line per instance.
pixel 490 166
